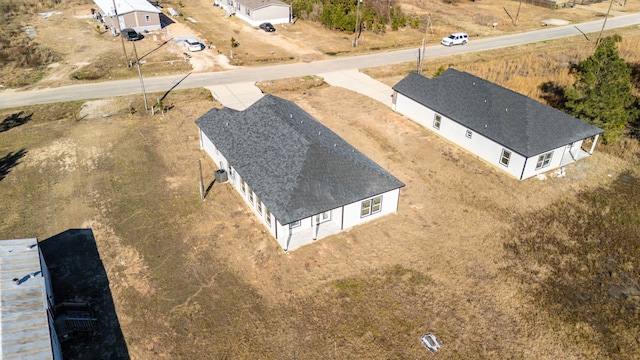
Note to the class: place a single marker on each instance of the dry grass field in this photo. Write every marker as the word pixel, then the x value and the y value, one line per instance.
pixel 494 267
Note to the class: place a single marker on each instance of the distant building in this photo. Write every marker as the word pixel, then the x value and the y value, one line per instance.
pixel 512 132
pixel 301 179
pixel 27 328
pixel 256 12
pixel 134 14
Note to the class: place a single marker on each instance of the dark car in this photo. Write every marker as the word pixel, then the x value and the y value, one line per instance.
pixel 267 27
pixel 131 35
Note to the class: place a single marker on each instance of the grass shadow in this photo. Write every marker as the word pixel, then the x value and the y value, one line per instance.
pixel 10 161
pixel 78 275
pixel 14 120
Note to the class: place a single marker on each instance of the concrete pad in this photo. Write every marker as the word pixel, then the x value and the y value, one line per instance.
pixel 237 96
pixel 356 81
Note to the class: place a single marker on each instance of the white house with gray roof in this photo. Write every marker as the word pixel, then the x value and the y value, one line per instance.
pixel 302 180
pixel 510 131
pixel 256 12
pixel 27 328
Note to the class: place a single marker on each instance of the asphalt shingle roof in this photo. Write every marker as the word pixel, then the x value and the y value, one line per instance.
pixel 296 165
pixel 508 118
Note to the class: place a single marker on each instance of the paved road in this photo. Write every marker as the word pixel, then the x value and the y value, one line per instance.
pixel 160 84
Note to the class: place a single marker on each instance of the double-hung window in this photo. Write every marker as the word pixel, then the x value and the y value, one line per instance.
pixel 437 120
pixel 544 160
pixel 505 157
pixel 371 206
pixel 258 205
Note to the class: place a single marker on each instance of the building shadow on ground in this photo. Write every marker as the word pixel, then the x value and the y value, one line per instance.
pixel 78 276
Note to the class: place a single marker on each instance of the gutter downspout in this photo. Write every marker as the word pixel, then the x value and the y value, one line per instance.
pixel 523 168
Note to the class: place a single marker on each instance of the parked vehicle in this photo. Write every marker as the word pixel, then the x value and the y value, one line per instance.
pixel 455 39
pixel 194 45
pixel 267 27
pixel 131 35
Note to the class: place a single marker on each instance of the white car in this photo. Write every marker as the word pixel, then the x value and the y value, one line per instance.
pixel 455 39
pixel 194 45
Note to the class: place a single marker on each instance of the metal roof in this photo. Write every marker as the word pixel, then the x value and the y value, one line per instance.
pixel 125 6
pixel 513 120
pixel 297 166
pixel 24 325
pixel 256 4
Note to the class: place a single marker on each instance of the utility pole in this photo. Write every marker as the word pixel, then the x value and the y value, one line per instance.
pixel 518 13
pixel 603 24
pixel 144 94
pixel 356 36
pixel 424 44
pixel 115 10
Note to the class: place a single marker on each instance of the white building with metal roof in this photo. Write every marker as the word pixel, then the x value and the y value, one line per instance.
pixel 139 15
pixel 26 296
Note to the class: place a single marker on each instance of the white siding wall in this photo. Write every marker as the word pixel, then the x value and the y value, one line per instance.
pixel 352 211
pixel 556 158
pixel 479 145
pixel 274 13
pixel 341 218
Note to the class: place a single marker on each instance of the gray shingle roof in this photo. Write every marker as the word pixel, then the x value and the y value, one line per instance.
pixel 296 165
pixel 511 119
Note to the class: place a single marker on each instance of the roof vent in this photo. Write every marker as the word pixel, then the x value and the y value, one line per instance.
pixel 485 126
pixel 291 116
pixel 334 145
pixel 506 109
pixel 227 123
pixel 318 132
pixel 474 83
pixel 485 101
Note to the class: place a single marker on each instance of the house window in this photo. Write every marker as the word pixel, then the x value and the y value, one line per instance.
pixel 294 224
pixel 250 195
pixel 469 134
pixel 147 18
pixel 243 186
pixel 259 205
pixel 238 6
pixel 231 173
pixel 248 11
pixel 268 216
pixel 437 120
pixel 544 160
pixel 371 206
pixel 325 216
pixel 505 157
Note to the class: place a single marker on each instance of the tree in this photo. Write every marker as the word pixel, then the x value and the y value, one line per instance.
pixel 602 94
